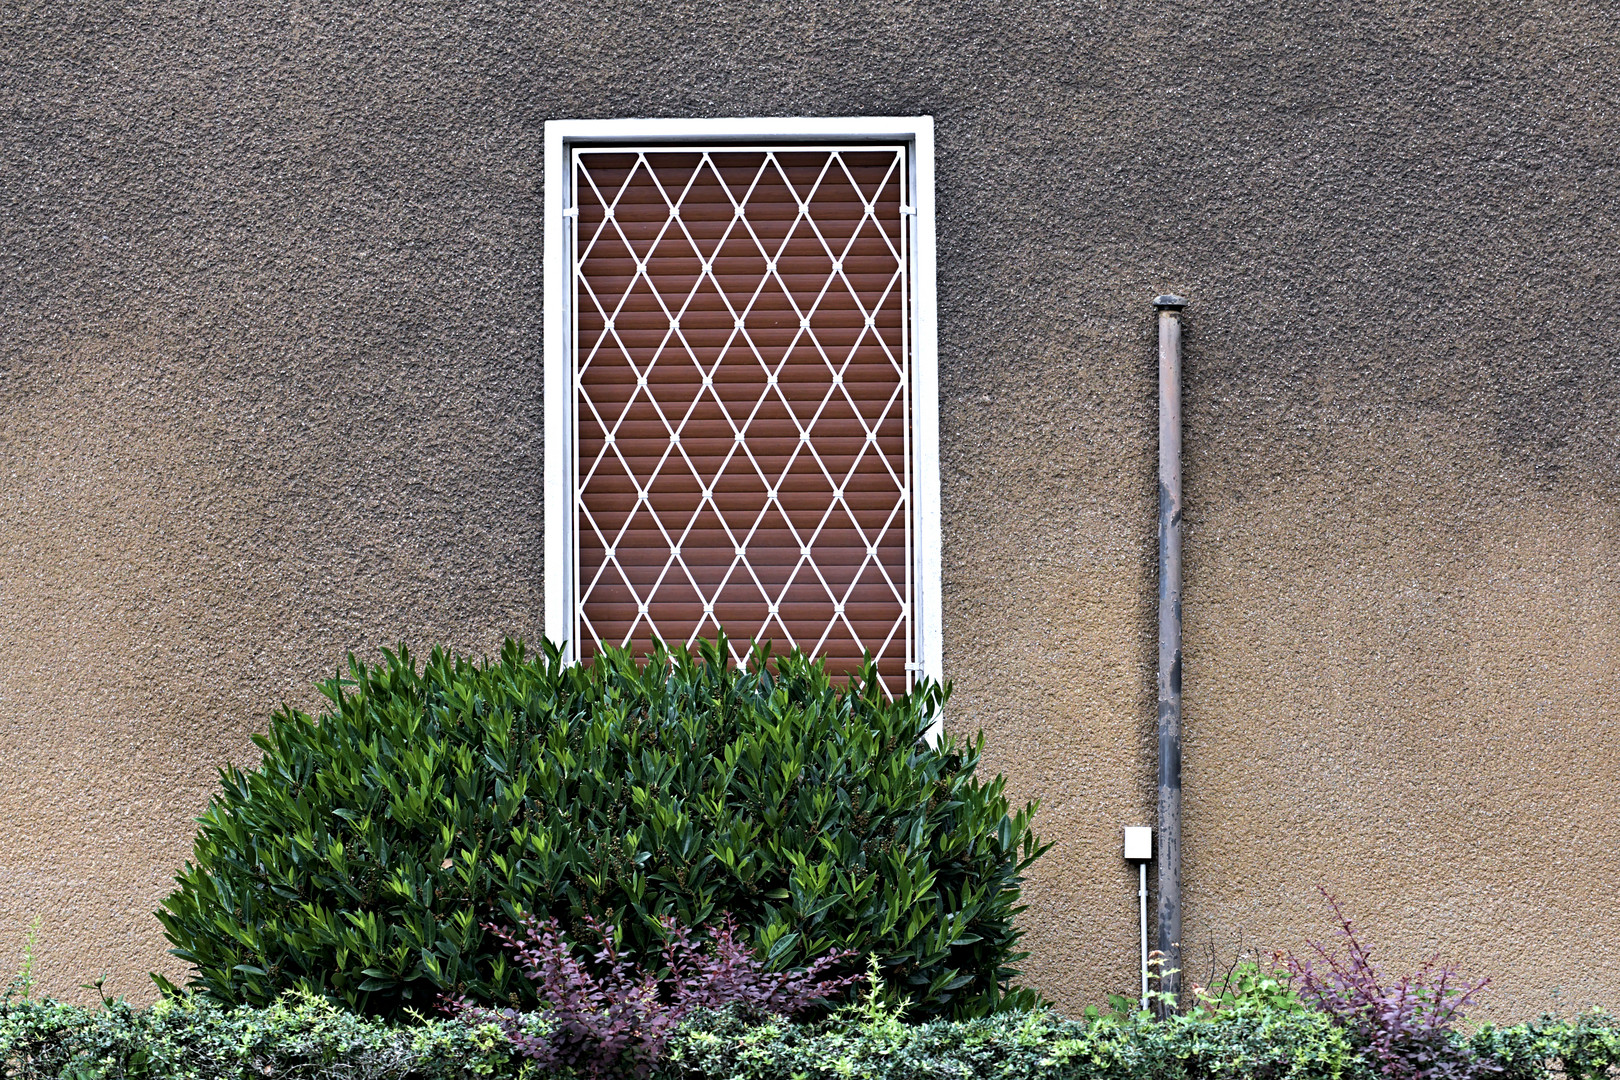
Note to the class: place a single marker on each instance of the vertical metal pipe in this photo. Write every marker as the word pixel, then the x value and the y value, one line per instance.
pixel 1169 905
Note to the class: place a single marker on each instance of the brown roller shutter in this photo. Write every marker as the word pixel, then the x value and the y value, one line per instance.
pixel 742 411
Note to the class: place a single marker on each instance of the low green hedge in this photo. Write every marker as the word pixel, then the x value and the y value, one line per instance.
pixel 1225 1045
pixel 308 1037
pixel 191 1038
pixel 1295 1046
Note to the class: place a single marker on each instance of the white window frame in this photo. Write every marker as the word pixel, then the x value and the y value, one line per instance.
pixel 917 133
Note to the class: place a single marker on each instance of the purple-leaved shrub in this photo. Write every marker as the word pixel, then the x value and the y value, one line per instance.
pixel 1405 1027
pixel 613 1014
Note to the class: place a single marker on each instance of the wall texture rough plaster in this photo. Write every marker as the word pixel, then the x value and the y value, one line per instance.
pixel 270 301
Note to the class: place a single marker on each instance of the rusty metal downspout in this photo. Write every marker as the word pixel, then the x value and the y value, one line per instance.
pixel 1169 853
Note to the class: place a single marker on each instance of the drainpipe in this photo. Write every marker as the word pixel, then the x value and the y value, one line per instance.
pixel 1169 906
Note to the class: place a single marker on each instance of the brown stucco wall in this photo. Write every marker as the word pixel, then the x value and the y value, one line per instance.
pixel 270 302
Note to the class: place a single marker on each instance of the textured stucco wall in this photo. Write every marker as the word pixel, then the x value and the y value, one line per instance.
pixel 270 367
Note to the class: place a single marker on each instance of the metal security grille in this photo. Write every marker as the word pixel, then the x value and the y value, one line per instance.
pixel 742 429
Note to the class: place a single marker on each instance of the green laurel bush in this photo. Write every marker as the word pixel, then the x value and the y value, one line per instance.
pixel 363 857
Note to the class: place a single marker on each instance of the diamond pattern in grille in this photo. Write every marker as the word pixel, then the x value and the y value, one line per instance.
pixel 742 420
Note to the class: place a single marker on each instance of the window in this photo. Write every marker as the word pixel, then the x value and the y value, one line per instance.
pixel 741 417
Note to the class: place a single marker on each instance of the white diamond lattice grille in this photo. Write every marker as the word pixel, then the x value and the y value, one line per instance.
pixel 742 420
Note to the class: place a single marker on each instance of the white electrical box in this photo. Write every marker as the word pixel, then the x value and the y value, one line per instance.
pixel 1138 843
